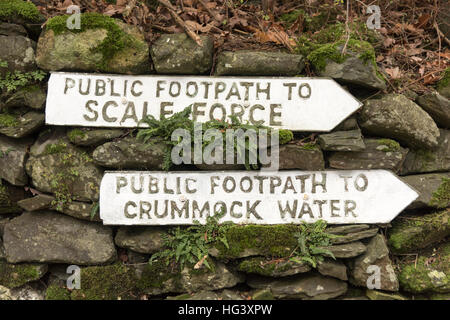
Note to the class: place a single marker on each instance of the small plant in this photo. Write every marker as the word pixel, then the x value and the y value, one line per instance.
pixel 164 128
pixel 190 245
pixel 17 79
pixel 312 242
pixel 95 209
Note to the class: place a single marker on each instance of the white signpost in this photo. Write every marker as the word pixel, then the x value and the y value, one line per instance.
pixel 96 100
pixel 252 197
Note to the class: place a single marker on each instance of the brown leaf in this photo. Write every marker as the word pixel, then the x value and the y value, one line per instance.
pixel 394 73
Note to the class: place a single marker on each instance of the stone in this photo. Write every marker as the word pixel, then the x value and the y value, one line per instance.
pixel 342 141
pixel 299 157
pixel 19 11
pixel 348 124
pixel 209 295
pixel 353 71
pixel 272 268
pixel 424 161
pixel 347 250
pixel 179 54
pixel 346 229
pixel 65 171
pixel 13 155
pixel 9 197
pixel 332 268
pixel 10 29
pixel 351 237
pixel 395 116
pixel 262 294
pixel 409 234
pixel 46 139
pixel 377 254
pixel 30 291
pixel 16 275
pixel 433 189
pixel 141 239
pixel 23 125
pixel 93 49
pixel 305 287
pixel 130 153
pixel 18 53
pixel 427 273
pixel 49 237
pixel 31 96
pixel 93 138
pixel 378 154
pixel 38 202
pixel 379 295
pixel 258 63
pixel 124 281
pixel 5 294
pixel 77 209
pixel 437 106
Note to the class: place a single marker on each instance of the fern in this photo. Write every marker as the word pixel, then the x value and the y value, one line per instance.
pixel 312 243
pixel 188 246
pixel 15 80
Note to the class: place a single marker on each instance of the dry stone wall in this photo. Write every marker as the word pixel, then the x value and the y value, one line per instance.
pixel 50 180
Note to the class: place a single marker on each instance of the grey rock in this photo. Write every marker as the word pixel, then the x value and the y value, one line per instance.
pixel 424 161
pixel 5 294
pixel 426 185
pixel 10 29
pixel 342 141
pixel 346 229
pixel 25 125
pixel 348 250
pixel 12 160
pixel 28 292
pixel 9 196
pixel 307 287
pixel 38 202
pixel 140 239
pixel 351 237
pixel 333 268
pixel 129 153
pixel 16 275
pixel 348 124
pixel 395 116
pixel 78 209
pixel 32 96
pixel 73 51
pixel 354 71
pixel 376 155
pixel 18 52
pixel 254 63
pixel 209 295
pixel 53 135
pixel 49 237
pixel 179 54
pixel 89 138
pixel 68 171
pixel 272 268
pixel 297 157
pixel 437 106
pixel 377 254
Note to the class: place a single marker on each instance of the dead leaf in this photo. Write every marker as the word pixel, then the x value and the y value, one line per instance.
pixel 394 73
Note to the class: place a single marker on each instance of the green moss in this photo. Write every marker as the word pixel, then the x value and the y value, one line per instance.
pixel 54 148
pixel 285 136
pixel 441 197
pixel 7 120
pixel 262 266
pixel 10 10
pixel 111 282
pixel 156 274
pixel 409 235
pixel 389 145
pixel 270 240
pixel 427 275
pixel 56 292
pixel 445 81
pixel 15 275
pixel 115 41
pixel 310 146
pixel 424 156
pixel 75 135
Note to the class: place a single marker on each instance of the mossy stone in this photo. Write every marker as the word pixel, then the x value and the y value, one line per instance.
pixel 57 292
pixel 16 275
pixel 409 234
pixel 19 11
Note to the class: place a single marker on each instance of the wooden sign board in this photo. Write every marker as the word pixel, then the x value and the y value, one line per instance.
pixel 97 100
pixel 252 197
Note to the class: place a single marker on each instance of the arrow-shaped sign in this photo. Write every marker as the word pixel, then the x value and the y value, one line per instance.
pixel 252 197
pixel 97 100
